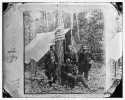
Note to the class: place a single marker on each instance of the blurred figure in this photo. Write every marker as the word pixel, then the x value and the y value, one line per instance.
pixel 70 55
pixel 71 59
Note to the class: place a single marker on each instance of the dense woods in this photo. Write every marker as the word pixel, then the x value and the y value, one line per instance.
pixel 87 27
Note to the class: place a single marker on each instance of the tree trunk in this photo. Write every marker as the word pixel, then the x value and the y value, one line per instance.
pixel 29 27
pixel 59 45
pixel 29 32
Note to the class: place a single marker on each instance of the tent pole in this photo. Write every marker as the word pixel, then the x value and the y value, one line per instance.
pixel 115 68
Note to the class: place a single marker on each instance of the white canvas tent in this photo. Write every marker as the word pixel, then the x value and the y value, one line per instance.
pixel 114 48
pixel 40 45
pixel 113 52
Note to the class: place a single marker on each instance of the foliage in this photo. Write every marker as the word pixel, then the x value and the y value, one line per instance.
pixel 91 30
pixel 96 82
pixel 90 24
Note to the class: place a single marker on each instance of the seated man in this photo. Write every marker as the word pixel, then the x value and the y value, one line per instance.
pixel 71 80
pixel 67 77
pixel 69 71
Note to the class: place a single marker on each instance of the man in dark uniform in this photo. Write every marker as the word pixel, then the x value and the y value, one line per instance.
pixel 51 62
pixel 84 62
pixel 68 71
pixel 70 59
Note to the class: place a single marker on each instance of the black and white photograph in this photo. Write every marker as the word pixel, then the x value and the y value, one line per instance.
pixel 62 49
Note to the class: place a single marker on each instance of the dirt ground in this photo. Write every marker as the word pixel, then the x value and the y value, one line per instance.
pixel 97 82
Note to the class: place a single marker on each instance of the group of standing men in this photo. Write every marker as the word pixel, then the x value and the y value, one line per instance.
pixel 72 68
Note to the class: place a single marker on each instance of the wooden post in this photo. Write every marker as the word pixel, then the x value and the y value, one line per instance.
pixel 115 68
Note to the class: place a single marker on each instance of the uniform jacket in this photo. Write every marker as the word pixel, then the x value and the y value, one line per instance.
pixel 84 57
pixel 71 56
pixel 51 57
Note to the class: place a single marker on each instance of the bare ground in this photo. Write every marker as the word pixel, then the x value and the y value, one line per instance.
pixel 96 82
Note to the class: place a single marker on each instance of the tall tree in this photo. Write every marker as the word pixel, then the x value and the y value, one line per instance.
pixel 59 44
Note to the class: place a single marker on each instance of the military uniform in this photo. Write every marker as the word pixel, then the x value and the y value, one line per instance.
pixel 51 61
pixel 70 60
pixel 67 72
pixel 84 66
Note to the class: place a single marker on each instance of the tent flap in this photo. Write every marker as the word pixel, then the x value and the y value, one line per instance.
pixel 40 45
